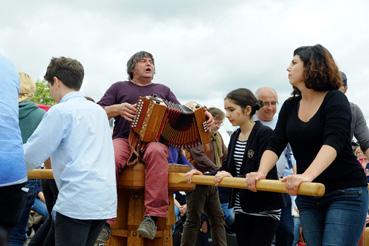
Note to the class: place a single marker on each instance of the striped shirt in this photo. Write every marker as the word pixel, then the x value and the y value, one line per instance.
pixel 238 154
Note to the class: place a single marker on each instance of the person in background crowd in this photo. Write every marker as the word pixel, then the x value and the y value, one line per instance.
pixel 45 235
pixel 359 129
pixel 361 157
pixel 224 193
pixel 30 115
pixel 13 175
pixel 363 160
pixel 205 198
pixel 176 155
pixel 315 121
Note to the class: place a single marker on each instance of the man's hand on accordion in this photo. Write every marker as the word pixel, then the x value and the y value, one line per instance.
pixel 209 123
pixel 128 111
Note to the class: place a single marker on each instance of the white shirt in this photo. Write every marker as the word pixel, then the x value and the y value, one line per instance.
pixel 75 134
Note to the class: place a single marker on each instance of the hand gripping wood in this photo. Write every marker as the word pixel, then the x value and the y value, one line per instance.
pixel 306 188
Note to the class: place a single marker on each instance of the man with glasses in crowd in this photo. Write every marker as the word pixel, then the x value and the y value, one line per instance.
pixel 265 115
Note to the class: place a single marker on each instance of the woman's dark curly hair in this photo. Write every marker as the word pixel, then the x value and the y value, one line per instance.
pixel 320 71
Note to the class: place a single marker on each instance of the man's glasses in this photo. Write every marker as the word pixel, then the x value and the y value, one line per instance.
pixel 271 103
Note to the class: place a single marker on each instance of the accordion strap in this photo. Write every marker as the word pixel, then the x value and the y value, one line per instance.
pixel 136 147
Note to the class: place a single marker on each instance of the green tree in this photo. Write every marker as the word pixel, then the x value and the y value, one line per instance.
pixel 42 94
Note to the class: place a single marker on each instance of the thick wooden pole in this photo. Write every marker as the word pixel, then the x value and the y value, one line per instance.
pixel 130 208
pixel 306 188
pixel 178 179
pixel 40 174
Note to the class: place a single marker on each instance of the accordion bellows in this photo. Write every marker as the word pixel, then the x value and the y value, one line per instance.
pixel 172 124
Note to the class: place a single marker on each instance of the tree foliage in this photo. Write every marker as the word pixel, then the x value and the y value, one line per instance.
pixel 42 94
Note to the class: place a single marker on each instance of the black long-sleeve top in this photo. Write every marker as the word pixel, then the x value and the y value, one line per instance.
pixel 329 126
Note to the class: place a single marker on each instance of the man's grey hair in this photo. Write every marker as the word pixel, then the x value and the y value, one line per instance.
pixel 131 63
pixel 266 88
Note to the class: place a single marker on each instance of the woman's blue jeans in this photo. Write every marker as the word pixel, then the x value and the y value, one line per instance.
pixel 337 218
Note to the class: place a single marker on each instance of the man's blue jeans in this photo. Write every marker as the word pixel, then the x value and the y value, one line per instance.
pixel 337 218
pixel 17 235
pixel 296 230
pixel 40 208
pixel 228 213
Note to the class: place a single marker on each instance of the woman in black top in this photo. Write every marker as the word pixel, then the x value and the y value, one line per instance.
pixel 256 214
pixel 316 122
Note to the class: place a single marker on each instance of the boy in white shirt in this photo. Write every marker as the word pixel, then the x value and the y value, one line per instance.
pixel 75 134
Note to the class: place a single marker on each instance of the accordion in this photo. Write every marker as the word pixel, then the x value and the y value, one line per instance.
pixel 173 124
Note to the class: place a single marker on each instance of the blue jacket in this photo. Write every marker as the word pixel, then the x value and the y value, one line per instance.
pixel 12 165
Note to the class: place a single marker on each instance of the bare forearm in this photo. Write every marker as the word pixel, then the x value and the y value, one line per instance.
pixel 267 162
pixel 113 110
pixel 323 159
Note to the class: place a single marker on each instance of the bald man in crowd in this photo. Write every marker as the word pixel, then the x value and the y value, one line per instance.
pixel 265 115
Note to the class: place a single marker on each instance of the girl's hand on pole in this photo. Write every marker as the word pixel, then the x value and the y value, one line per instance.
pixel 251 179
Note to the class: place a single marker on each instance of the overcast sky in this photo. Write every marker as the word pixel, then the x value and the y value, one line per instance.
pixel 202 48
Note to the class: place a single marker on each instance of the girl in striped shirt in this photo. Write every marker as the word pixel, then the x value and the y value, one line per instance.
pixel 256 214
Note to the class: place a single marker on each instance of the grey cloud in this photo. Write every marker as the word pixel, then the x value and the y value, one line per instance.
pixel 203 49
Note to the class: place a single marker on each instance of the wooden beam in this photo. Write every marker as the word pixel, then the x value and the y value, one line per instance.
pixel 40 174
pixel 178 180
pixel 306 188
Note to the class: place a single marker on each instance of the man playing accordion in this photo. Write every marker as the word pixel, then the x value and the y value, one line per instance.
pixel 119 102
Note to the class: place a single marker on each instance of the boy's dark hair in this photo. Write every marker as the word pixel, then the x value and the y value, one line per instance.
pixel 131 63
pixel 67 70
pixel 320 71
pixel 216 113
pixel 244 97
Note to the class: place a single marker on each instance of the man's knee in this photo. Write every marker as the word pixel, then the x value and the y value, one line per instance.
pixel 121 152
pixel 156 149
